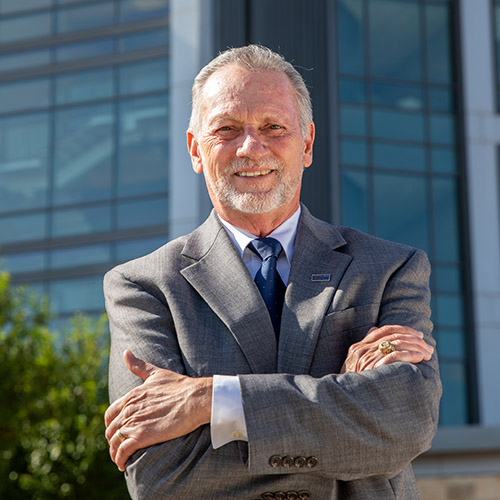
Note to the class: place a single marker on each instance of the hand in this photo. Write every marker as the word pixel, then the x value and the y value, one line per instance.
pixel 409 344
pixel 166 406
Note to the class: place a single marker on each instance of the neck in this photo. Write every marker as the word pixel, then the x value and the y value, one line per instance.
pixel 259 225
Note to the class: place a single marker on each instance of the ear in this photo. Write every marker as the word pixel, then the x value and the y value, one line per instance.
pixel 194 152
pixel 308 145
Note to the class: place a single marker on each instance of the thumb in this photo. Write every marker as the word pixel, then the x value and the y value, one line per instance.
pixel 137 366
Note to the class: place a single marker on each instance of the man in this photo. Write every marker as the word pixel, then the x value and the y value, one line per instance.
pixel 233 395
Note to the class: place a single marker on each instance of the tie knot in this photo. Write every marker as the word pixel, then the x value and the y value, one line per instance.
pixel 265 247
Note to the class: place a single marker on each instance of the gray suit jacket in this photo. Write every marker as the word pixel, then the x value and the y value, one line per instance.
pixel 192 307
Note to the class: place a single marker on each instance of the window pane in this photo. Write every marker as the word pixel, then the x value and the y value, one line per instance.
pixel 25 27
pixel 353 152
pixel 441 99
pixel 84 18
pixel 448 278
pixel 22 95
pixel 127 250
pixel 401 209
pixel 355 199
pixel 451 344
pixel 446 231
pixel 442 129
pixel 142 213
pixel 352 120
pixel 450 310
pixel 84 154
pixel 397 156
pixel 9 6
pixel 22 228
pixel 397 96
pixel 136 10
pixel 84 220
pixel 454 401
pixel 24 157
pixel 443 160
pixel 146 40
pixel 352 90
pixel 23 262
pixel 83 294
pixel 143 146
pixel 84 86
pixel 395 30
pixel 144 77
pixel 74 51
pixel 351 29
pixel 81 256
pixel 398 125
pixel 24 60
pixel 438 43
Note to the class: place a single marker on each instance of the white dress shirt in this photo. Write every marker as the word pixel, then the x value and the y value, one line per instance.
pixel 228 420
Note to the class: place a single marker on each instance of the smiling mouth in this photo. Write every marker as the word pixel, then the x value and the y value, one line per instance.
pixel 255 173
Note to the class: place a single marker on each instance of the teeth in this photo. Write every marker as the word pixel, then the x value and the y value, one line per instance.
pixel 254 174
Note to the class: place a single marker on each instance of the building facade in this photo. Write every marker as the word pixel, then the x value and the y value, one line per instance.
pixel 95 100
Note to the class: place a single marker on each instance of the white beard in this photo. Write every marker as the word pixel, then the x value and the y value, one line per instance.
pixel 255 202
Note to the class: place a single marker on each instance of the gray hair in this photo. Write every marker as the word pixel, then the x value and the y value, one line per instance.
pixel 255 58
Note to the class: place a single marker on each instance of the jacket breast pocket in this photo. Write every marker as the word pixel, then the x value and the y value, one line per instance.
pixel 340 329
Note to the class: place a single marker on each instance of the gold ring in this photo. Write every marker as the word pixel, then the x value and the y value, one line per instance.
pixel 386 347
pixel 120 437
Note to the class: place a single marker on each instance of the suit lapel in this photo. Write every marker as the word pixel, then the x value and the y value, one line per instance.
pixel 316 271
pixel 219 275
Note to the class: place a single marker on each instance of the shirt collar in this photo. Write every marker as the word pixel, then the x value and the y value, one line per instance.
pixel 284 233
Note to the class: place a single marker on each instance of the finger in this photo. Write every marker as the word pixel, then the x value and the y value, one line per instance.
pixel 137 366
pixel 113 411
pixel 402 356
pixel 409 343
pixel 124 452
pixel 386 330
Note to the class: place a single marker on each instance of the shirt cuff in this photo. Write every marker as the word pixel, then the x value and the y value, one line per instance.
pixel 228 420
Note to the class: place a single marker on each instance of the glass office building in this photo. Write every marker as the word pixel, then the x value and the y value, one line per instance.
pixel 84 168
pixel 95 100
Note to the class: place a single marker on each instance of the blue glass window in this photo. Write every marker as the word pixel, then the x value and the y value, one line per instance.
pixel 351 33
pixel 130 249
pixel 401 209
pixel 81 294
pixel 23 262
pixel 150 212
pixel 137 10
pixel 20 228
pixel 22 60
pixel 353 120
pixel 84 50
pixel 144 77
pixel 11 6
pixel 144 40
pixel 438 32
pixel 80 256
pixel 407 157
pixel 409 97
pixel 355 199
pixel 84 86
pixel 86 17
pixel 24 95
pixel 84 154
pixel 24 151
pixel 395 30
pixel 25 27
pixel 454 401
pixel 143 146
pixel 83 220
pixel 400 125
pixel 353 152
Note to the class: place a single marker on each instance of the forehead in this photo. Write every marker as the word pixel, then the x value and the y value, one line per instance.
pixel 235 89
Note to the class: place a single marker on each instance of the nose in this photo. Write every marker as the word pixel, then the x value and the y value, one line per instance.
pixel 252 145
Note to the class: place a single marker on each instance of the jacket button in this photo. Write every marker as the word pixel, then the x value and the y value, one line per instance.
pixel 288 461
pixel 312 462
pixel 275 461
pixel 304 495
pixel 292 495
pixel 300 462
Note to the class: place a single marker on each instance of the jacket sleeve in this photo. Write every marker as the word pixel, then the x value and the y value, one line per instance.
pixel 370 424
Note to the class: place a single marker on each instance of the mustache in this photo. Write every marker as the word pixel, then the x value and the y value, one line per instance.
pixel 239 164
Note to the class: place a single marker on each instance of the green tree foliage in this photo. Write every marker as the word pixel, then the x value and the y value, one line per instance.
pixel 53 395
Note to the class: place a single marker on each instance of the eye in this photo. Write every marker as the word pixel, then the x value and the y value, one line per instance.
pixel 275 127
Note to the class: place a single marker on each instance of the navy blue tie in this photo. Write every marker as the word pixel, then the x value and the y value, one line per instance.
pixel 267 278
